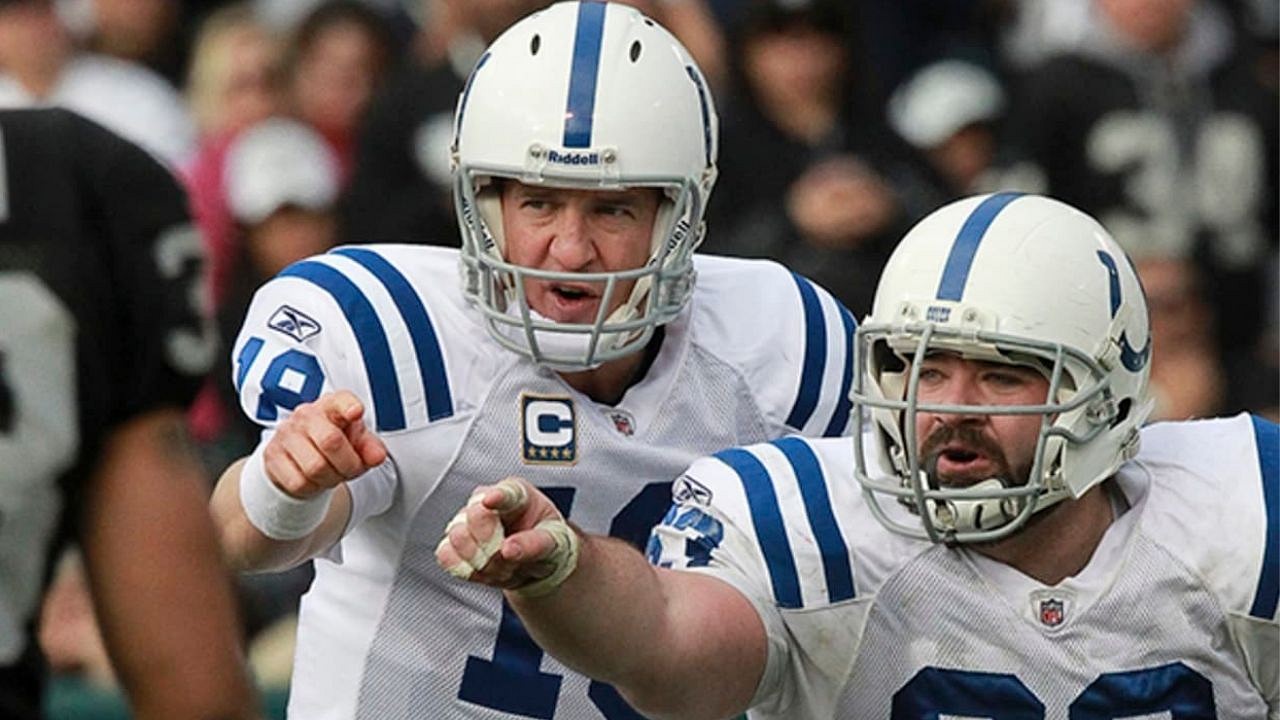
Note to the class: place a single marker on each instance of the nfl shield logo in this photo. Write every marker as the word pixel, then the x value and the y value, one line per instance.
pixel 1051 612
pixel 623 422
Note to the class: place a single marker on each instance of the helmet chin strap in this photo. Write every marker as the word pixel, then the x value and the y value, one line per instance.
pixel 960 515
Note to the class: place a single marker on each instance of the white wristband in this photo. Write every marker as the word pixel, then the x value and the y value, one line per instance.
pixel 279 515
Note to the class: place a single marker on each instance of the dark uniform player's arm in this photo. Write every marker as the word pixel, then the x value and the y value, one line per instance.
pixel 163 597
pixel 161 591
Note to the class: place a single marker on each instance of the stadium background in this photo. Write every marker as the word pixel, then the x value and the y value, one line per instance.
pixel 300 124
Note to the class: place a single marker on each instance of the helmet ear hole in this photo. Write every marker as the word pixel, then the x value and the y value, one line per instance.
pixel 886 359
pixel 1122 411
pixel 535 44
pixel 635 50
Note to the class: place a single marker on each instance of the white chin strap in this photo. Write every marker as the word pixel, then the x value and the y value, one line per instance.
pixel 962 516
pixel 985 514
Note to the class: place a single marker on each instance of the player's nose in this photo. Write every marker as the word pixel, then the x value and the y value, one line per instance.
pixel 571 244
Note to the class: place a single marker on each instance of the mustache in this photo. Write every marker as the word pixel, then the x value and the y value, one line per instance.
pixel 962 434
pixel 967 435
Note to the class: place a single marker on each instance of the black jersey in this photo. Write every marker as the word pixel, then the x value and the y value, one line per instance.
pixel 101 288
pixel 1172 162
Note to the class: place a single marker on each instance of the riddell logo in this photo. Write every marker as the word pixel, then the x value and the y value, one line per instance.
pixel 573 158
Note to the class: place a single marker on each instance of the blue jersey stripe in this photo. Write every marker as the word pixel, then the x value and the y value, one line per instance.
pixel 815 355
pixel 430 360
pixel 1268 592
pixel 378 365
pixel 579 114
pixel 956 272
pixel 837 566
pixel 840 418
pixel 766 514
pixel 245 359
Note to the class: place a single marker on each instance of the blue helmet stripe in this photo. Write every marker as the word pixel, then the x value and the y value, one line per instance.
pixel 706 110
pixel 583 73
pixel 815 354
pixel 766 515
pixel 837 566
pixel 959 262
pixel 466 92
pixel 1268 592
pixel 372 338
pixel 840 418
pixel 435 381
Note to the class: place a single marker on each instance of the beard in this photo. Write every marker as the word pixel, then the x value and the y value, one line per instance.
pixel 973 440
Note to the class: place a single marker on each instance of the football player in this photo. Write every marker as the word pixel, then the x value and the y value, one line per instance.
pixel 576 345
pixel 102 344
pixel 1005 540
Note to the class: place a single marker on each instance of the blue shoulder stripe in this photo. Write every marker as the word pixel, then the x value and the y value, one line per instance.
pixel 245 359
pixel 378 365
pixel 1268 592
pixel 580 111
pixel 815 355
pixel 960 260
pixel 435 381
pixel 766 514
pixel 840 418
pixel 837 566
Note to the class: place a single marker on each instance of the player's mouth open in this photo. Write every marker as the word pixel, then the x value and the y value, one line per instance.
pixel 958 463
pixel 571 293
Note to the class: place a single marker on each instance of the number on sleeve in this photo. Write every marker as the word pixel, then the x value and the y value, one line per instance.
pixel 190 347
pixel 292 378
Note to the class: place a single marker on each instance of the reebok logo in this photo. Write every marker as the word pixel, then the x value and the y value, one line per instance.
pixel 294 323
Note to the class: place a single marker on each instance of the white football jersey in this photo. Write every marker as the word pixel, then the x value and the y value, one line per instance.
pixel 385 633
pixel 1173 617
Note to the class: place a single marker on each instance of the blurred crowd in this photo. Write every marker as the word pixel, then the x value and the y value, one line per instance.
pixel 301 124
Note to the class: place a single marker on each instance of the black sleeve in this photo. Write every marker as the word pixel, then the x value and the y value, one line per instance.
pixel 154 258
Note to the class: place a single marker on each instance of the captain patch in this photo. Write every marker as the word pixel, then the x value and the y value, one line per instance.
pixel 549 430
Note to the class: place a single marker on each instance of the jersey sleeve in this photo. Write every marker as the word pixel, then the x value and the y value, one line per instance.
pixel 155 260
pixel 347 320
pixel 761 518
pixel 1257 631
pixel 1225 473
pixel 794 348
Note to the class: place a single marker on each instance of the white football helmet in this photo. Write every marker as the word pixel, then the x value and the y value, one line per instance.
pixel 1012 278
pixel 586 95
